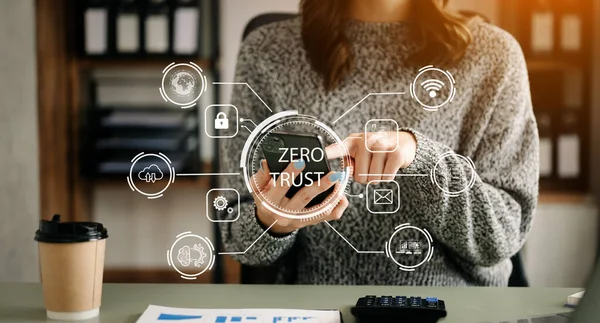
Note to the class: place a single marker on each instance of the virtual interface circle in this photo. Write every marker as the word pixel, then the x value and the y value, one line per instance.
pixel 191 255
pixel 284 142
pixel 409 247
pixel 182 84
pixel 454 185
pixel 151 174
pixel 433 88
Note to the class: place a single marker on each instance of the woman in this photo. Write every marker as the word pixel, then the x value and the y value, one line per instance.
pixel 326 61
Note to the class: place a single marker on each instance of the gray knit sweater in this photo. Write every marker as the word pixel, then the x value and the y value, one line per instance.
pixel 490 121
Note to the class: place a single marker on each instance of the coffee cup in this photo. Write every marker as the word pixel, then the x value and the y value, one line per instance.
pixel 72 265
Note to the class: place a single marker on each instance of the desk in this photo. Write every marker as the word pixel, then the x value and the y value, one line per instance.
pixel 121 303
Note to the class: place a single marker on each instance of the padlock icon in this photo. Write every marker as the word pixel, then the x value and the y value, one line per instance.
pixel 221 121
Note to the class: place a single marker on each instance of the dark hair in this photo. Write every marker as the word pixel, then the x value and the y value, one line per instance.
pixel 443 37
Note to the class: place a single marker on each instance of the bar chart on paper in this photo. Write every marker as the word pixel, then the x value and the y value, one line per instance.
pixel 161 314
pixel 275 319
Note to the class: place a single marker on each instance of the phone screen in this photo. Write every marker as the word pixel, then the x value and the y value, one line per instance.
pixel 281 149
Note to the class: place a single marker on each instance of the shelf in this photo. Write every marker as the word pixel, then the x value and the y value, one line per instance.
pixel 95 63
pixel 534 65
pixel 563 198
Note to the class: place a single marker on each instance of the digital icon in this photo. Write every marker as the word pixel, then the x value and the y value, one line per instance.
pixel 377 127
pixel 151 171
pixel 220 203
pixel 191 255
pixel 433 88
pixel 221 121
pixel 383 200
pixel 291 121
pixel 184 256
pixel 409 248
pixel 412 250
pixel 459 185
pixel 151 174
pixel 218 199
pixel 182 84
pixel 383 197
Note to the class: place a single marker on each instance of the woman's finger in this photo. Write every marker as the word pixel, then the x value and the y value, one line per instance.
pixel 260 180
pixel 283 181
pixel 362 162
pixel 306 194
pixel 392 165
pixel 349 148
pixel 376 167
pixel 338 210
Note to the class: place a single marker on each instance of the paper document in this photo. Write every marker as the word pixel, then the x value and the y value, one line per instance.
pixel 162 314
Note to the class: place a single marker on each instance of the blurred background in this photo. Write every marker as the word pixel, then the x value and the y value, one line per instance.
pixel 79 99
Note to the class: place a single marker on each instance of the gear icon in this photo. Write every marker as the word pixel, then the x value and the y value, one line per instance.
pixel 201 255
pixel 220 203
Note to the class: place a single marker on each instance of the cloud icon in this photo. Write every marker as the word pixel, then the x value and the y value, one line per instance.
pixel 150 174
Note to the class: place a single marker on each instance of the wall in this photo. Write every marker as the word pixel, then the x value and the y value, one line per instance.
pixel 561 248
pixel 595 118
pixel 235 14
pixel 19 186
pixel 487 8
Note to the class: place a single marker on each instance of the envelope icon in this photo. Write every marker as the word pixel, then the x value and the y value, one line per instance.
pixel 383 197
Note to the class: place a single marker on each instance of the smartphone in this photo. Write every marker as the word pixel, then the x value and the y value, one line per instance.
pixel 282 148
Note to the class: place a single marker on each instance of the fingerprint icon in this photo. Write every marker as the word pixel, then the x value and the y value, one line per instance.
pixel 432 87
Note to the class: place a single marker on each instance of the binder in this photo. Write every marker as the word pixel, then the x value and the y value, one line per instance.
pixel 127 29
pixel 96 28
pixel 571 33
pixel 573 85
pixel 569 150
pixel 142 28
pixel 186 25
pixel 542 31
pixel 157 28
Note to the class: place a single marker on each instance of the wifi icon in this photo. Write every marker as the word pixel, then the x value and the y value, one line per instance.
pixel 433 87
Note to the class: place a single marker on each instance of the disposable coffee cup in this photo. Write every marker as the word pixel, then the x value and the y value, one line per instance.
pixel 72 265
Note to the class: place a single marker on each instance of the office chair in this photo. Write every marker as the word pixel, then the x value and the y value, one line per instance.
pixel 252 275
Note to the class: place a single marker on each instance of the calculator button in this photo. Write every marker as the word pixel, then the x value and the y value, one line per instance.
pixel 431 302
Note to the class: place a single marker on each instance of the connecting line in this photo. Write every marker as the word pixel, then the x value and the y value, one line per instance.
pixel 209 174
pixel 357 195
pixel 366 97
pixel 250 131
pixel 358 251
pixel 255 241
pixel 249 120
pixel 246 84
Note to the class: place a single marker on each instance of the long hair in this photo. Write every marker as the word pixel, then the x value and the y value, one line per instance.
pixel 442 36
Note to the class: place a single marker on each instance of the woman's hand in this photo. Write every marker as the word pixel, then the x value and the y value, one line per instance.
pixel 377 166
pixel 275 191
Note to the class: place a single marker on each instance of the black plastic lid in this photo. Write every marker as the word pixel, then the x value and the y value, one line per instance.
pixel 56 232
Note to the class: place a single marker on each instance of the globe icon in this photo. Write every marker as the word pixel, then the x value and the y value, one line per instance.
pixel 183 83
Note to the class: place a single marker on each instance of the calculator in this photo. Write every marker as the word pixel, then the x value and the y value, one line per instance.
pixel 384 309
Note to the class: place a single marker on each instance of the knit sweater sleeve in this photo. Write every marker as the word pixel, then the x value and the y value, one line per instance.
pixel 246 231
pixel 488 222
